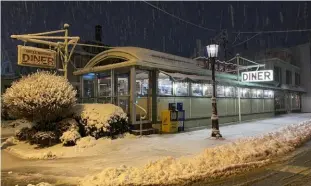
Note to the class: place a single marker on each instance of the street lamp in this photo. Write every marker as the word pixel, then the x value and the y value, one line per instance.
pixel 212 52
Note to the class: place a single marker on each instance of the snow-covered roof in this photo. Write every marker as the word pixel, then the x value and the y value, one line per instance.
pixel 135 56
pixel 143 57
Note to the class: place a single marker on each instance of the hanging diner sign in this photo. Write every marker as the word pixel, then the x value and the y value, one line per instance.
pixel 36 57
pixel 257 76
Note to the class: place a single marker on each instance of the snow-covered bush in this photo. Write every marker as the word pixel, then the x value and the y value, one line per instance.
pixel 45 138
pixel 66 125
pixel 41 96
pixel 70 137
pixel 4 111
pixel 101 120
pixel 25 134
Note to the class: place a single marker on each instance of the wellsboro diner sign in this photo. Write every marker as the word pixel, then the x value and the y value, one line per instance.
pixel 36 57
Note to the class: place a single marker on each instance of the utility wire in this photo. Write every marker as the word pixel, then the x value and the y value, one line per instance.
pixel 246 40
pixel 273 31
pixel 176 17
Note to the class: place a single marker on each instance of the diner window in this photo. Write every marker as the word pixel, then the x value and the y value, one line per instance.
pixel 196 89
pixel 88 85
pixel 123 84
pixel 142 83
pixel 220 91
pixel 229 91
pixel 181 88
pixel 165 85
pixel 245 92
pixel 104 84
pixel 268 94
pixel 259 93
pixel 207 90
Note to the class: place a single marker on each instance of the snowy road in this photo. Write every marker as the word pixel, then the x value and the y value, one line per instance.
pixel 294 171
pixel 134 152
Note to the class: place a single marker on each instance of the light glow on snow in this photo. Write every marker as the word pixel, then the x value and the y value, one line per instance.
pixel 222 160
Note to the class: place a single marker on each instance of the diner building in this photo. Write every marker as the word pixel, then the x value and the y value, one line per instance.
pixel 138 79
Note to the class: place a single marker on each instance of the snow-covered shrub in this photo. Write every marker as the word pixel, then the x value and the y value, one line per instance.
pixel 25 134
pixel 4 111
pixel 45 138
pixel 41 96
pixel 86 142
pixel 100 120
pixel 70 137
pixel 66 125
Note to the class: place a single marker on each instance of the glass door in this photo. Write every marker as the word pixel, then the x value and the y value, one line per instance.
pixel 122 91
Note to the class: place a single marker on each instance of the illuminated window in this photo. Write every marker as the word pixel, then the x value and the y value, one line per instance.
pixel 268 94
pixel 181 88
pixel 220 91
pixel 207 90
pixel 142 82
pixel 229 91
pixel 196 89
pixel 245 92
pixel 165 85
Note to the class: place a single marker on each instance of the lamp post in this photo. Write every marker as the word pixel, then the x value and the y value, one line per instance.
pixel 212 52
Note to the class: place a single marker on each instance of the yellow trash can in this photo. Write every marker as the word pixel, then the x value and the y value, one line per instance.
pixel 169 121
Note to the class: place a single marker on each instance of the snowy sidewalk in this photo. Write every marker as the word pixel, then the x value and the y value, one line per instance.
pixel 139 151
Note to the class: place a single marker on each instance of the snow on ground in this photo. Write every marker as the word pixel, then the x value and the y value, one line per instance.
pixel 214 162
pixel 40 184
pixel 155 146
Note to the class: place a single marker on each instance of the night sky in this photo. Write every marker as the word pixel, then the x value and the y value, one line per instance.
pixel 138 24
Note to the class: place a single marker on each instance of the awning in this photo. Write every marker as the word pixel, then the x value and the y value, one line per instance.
pixel 183 77
pixel 291 88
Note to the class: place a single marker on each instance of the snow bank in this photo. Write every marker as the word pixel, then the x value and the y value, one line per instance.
pixel 70 136
pixel 9 142
pixel 86 142
pixel 99 115
pixel 222 160
pixel 28 154
pixel 40 184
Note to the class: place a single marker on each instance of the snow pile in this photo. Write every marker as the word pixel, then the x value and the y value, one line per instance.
pixel 99 115
pixel 32 156
pixel 8 142
pixel 214 162
pixel 86 142
pixel 40 184
pixel 70 137
pixel 101 120
pixel 41 96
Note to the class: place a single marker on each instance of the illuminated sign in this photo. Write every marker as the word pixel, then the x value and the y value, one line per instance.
pixel 257 76
pixel 36 57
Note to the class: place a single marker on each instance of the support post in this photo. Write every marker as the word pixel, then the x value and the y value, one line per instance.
pixel 215 124
pixel 66 56
pixel 239 89
pixel 133 95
